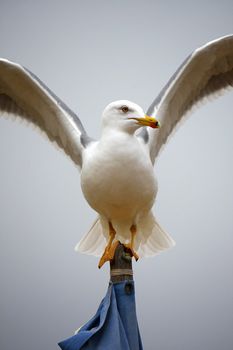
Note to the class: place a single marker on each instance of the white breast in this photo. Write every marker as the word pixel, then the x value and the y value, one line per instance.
pixel 117 177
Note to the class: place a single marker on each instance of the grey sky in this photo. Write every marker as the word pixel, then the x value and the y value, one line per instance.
pixel 91 53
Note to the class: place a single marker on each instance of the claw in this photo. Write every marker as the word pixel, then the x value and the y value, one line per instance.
pixel 111 247
pixel 108 254
pixel 132 251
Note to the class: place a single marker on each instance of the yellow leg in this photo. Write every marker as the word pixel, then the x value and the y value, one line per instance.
pixel 112 234
pixel 133 230
pixel 110 248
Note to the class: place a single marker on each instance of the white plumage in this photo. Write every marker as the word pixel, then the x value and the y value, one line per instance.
pixel 117 176
pixel 118 181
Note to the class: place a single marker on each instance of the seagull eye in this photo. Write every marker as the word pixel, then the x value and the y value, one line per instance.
pixel 125 109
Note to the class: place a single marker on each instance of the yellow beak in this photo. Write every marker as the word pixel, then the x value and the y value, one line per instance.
pixel 148 121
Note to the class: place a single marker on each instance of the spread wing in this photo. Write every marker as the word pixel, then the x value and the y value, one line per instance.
pixel 24 95
pixel 207 71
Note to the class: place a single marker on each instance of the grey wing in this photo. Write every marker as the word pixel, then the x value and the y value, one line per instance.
pixel 207 71
pixel 26 96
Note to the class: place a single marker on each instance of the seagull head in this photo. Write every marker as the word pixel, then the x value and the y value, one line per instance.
pixel 126 116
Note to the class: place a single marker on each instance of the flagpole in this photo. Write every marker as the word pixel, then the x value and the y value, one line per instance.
pixel 121 265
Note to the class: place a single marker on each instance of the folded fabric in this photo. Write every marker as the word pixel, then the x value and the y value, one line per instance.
pixel 114 326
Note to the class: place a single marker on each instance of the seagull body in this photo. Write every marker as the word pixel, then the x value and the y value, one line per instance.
pixel 123 183
pixel 117 175
pixel 117 179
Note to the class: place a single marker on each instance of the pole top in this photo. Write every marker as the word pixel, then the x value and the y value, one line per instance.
pixel 121 265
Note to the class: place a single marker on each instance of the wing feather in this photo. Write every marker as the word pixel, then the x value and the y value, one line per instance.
pixel 208 71
pixel 26 96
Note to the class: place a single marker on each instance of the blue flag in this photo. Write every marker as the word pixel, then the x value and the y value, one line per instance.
pixel 114 326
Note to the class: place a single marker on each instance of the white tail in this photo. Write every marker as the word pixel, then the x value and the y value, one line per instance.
pixel 94 242
pixel 150 239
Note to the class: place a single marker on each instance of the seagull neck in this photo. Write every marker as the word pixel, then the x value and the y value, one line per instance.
pixel 108 133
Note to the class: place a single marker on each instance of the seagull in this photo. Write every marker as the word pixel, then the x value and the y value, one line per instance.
pixel 117 172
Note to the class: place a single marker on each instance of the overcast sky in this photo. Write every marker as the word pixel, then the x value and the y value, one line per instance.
pixel 91 53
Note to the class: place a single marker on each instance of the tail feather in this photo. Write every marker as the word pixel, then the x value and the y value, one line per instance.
pixel 93 242
pixel 155 239
pixel 150 239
